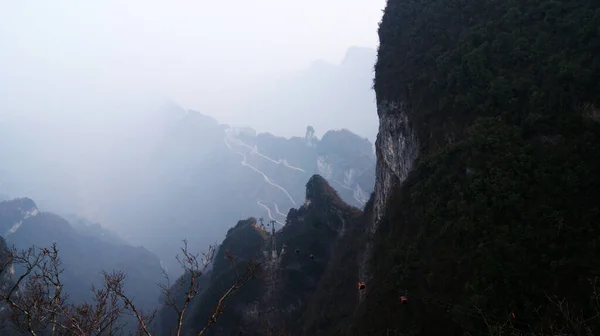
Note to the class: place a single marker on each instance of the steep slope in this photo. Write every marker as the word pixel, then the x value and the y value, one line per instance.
pixel 492 230
pixel 246 241
pixel 306 284
pixel 305 246
pixel 83 256
pixel 329 230
pixel 6 279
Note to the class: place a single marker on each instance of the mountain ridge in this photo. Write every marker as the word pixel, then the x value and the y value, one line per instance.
pixel 290 271
pixel 84 257
pixel 246 173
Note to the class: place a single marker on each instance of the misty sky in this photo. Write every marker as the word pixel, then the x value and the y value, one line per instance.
pixel 66 57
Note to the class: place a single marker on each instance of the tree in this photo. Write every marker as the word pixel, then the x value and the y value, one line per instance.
pixel 34 302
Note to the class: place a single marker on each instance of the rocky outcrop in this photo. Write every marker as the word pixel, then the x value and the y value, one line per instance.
pixel 303 271
pixel 397 148
pixel 318 247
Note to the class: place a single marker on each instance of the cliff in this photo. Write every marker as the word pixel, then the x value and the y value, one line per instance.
pixel 483 212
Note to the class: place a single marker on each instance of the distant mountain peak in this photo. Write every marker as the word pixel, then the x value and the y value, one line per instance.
pixel 359 56
pixel 14 212
pixel 319 190
pixel 21 203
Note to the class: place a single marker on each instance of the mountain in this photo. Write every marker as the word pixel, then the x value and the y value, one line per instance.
pixel 205 175
pixel 87 228
pixel 325 95
pixel 484 217
pixel 176 174
pixel 484 211
pixel 84 256
pixel 299 266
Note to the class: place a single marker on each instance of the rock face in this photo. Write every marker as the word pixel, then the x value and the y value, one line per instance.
pixel 410 123
pixel 397 148
pixel 469 96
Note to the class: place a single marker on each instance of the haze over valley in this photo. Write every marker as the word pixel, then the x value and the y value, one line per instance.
pixel 299 169
pixel 118 151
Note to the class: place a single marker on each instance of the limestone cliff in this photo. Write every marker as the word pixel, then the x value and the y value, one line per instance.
pixel 480 103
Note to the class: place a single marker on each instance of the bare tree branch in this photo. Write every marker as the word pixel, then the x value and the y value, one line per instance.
pixel 36 302
pixel 193 269
pixel 248 275
pixel 114 282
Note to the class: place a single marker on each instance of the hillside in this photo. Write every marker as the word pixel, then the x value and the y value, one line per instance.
pixel 312 255
pixel 84 257
pixel 485 211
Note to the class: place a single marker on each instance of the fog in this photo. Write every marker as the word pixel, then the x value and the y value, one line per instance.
pixel 88 89
pixel 201 54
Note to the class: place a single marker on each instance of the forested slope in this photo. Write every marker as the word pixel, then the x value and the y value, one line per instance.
pixel 494 231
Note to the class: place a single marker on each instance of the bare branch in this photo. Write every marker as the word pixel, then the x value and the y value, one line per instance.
pixel 37 302
pixel 114 282
pixel 248 274
pixel 193 269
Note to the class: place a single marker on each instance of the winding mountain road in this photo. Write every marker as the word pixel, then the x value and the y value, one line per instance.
pixel 269 212
pixel 354 192
pixel 267 179
pixel 254 150
pixel 277 210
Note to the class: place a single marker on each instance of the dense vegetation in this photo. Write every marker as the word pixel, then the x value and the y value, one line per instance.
pixel 334 301
pixel 503 222
pixel 504 218
pixel 320 290
pixel 309 290
pixel 452 61
pixel 495 231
